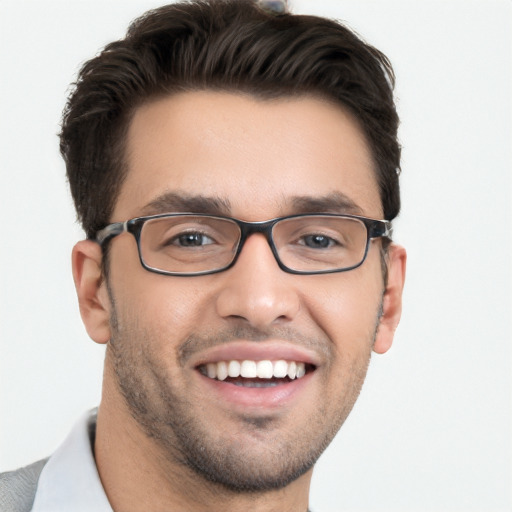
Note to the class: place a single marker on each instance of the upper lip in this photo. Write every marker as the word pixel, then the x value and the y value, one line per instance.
pixel 256 351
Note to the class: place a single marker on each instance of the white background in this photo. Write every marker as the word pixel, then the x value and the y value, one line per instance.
pixel 432 428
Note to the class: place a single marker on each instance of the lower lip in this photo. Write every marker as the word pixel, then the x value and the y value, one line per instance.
pixel 254 397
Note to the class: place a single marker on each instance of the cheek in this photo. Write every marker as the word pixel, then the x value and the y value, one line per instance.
pixel 166 310
pixel 346 307
pixel 154 301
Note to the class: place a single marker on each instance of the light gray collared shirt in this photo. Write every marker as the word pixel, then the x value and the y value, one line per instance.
pixel 70 479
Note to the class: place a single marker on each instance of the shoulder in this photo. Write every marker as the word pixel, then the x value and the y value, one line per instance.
pixel 18 488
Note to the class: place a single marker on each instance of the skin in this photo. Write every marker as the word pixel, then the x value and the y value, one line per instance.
pixel 256 157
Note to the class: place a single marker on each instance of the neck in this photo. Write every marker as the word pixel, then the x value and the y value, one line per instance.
pixel 137 474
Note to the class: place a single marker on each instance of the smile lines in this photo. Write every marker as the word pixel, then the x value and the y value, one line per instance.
pixel 266 369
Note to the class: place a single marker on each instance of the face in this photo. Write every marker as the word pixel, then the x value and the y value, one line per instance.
pixel 254 160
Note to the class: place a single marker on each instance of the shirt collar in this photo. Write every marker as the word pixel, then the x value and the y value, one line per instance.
pixel 70 479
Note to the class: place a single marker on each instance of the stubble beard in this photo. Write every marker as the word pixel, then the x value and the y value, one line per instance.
pixel 167 416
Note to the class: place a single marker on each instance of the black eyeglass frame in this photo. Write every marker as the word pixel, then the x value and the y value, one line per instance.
pixel 374 229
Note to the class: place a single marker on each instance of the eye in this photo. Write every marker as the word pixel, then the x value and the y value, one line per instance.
pixel 318 241
pixel 191 239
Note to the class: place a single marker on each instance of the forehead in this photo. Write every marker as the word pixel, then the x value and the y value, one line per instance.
pixel 256 157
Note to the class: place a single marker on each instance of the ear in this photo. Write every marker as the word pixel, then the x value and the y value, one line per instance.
pixel 392 300
pixel 91 290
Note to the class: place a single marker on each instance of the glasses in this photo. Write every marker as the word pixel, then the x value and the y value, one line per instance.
pixel 189 244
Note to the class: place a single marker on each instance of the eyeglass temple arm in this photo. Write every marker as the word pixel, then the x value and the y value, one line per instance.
pixel 382 228
pixel 110 231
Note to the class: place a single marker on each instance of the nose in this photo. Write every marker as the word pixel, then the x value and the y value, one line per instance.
pixel 256 290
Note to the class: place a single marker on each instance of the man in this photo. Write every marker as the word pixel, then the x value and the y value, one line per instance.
pixel 235 170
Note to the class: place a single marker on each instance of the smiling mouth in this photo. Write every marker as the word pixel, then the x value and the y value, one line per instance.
pixel 255 374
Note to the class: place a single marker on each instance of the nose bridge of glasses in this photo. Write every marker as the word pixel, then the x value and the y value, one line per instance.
pixel 264 228
pixel 250 228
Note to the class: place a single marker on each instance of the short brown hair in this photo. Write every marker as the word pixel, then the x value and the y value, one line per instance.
pixel 231 45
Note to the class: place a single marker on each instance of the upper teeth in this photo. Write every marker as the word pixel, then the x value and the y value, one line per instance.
pixel 255 369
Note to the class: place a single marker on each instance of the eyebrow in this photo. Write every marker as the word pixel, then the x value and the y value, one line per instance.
pixel 172 202
pixel 336 202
